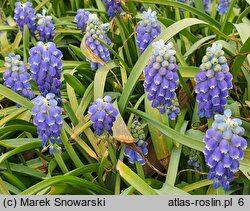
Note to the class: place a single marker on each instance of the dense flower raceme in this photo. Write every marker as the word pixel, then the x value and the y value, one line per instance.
pixel 139 137
pixel 16 76
pixel 48 119
pixel 147 30
pixel 113 6
pixel 25 14
pixel 161 79
pixel 81 18
pixel 45 27
pixel 194 160
pixel 224 148
pixel 94 29
pixel 213 82
pixel 102 115
pixel 223 6
pixel 45 66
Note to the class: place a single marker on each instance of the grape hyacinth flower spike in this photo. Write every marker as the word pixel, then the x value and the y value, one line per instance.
pixel 161 79
pixel 147 30
pixel 102 115
pixel 81 18
pixel 95 29
pixel 45 27
pixel 223 6
pixel 16 76
pixel 45 66
pixel 139 139
pixel 224 148
pixel 113 6
pixel 48 119
pixel 213 82
pixel 25 14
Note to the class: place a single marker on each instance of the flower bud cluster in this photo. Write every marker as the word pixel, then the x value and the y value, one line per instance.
pixel 102 115
pixel 45 27
pixel 224 148
pixel 25 14
pixel 45 66
pixel 139 139
pixel 113 6
pixel 16 76
pixel 193 160
pixel 161 79
pixel 213 82
pixel 147 30
pixel 48 119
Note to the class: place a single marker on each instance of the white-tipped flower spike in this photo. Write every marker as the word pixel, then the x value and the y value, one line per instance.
pixel 48 119
pixel 147 30
pixel 16 76
pixel 224 148
pixel 213 82
pixel 102 115
pixel 94 28
pixel 161 79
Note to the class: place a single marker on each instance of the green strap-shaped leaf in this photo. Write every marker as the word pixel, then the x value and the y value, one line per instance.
pixel 74 181
pixel 8 93
pixel 133 179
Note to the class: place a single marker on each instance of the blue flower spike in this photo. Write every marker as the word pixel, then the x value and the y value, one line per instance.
pixel 213 82
pixel 16 76
pixel 25 14
pixel 102 115
pixel 161 79
pixel 147 30
pixel 224 149
pixel 48 119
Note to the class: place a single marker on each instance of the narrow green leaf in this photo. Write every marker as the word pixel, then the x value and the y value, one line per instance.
pixel 72 180
pixel 8 93
pixel 18 142
pixel 196 185
pixel 133 179
pixel 74 83
pixel 25 147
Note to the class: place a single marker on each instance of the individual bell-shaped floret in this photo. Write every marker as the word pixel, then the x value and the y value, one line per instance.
pixel 45 65
pixel 25 14
pixel 113 6
pixel 161 79
pixel 139 139
pixel 102 115
pixel 48 119
pixel 16 76
pixel 224 149
pixel 147 30
pixel 45 27
pixel 213 82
